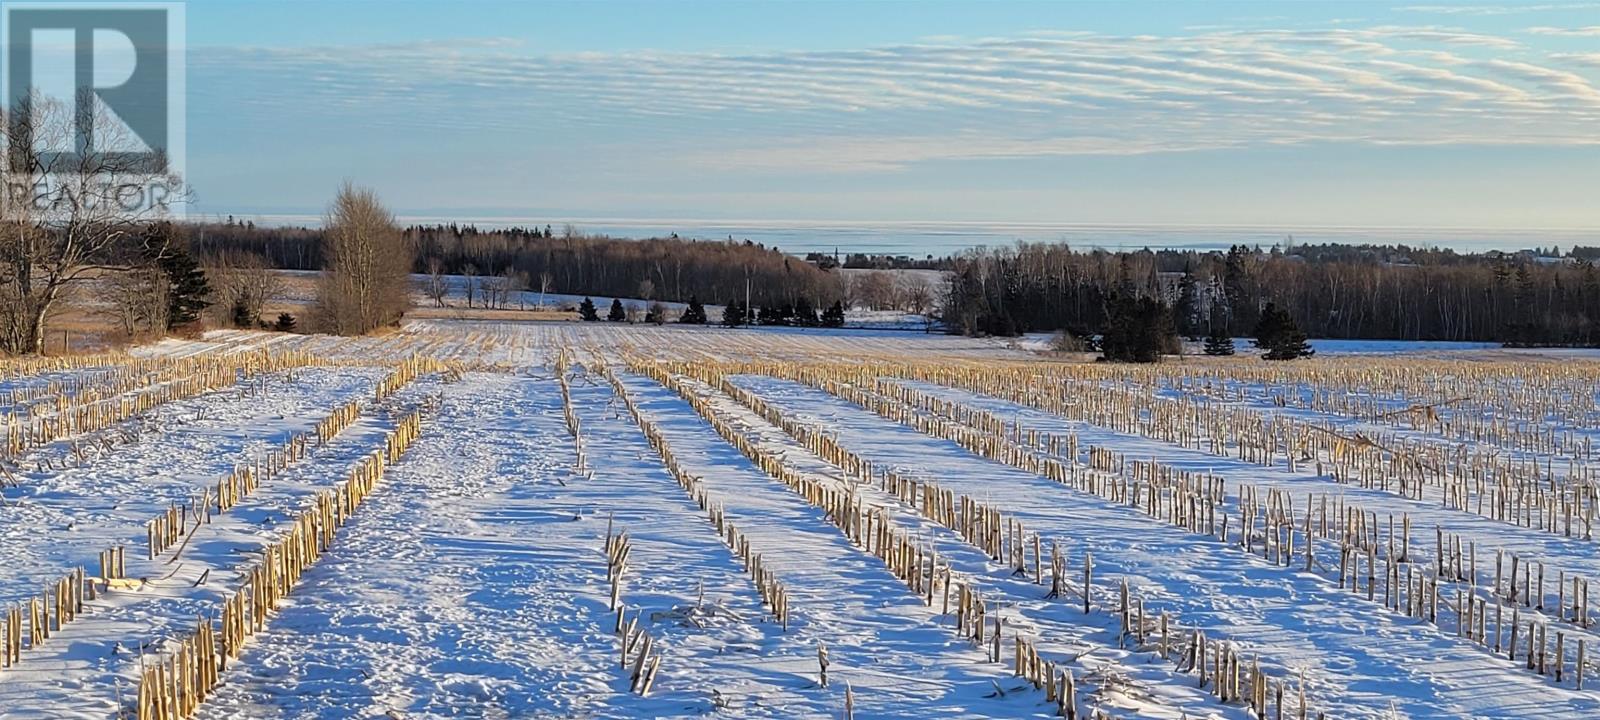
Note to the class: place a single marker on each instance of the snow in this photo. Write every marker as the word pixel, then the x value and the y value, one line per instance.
pixel 473 582
pixel 1358 656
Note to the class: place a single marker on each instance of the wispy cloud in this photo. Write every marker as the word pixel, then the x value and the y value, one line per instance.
pixel 947 98
pixel 1591 59
pixel 1466 9
pixel 1590 31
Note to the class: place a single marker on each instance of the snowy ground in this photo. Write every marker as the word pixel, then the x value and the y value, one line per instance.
pixel 473 582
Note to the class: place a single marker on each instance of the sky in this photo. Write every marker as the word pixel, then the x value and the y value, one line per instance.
pixel 1276 114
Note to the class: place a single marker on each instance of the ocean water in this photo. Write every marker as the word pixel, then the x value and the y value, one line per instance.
pixel 920 239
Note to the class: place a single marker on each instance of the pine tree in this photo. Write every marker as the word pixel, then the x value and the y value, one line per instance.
pixel 587 312
pixel 834 315
pixel 1138 330
pixel 1278 334
pixel 1187 312
pixel 1239 286
pixel 285 323
pixel 804 314
pixel 187 289
pixel 617 313
pixel 775 314
pixel 241 315
pixel 733 314
pixel 694 314
pixel 1219 341
pixel 187 286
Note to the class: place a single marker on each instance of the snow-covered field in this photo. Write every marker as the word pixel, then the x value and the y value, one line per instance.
pixel 794 524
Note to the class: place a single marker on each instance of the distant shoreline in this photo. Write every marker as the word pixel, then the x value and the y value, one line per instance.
pixel 914 238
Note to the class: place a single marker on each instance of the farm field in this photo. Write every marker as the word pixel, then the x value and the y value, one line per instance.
pixel 509 520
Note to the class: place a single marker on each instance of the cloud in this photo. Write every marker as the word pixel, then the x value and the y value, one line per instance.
pixel 1590 31
pixel 1497 9
pixel 1591 59
pixel 879 109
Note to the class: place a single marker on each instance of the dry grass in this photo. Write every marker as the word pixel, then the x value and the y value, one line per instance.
pixel 456 313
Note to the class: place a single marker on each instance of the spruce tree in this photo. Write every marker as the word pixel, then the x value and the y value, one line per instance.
pixel 657 314
pixel 1187 312
pixel 1138 330
pixel 834 315
pixel 733 314
pixel 804 314
pixel 587 312
pixel 694 314
pixel 1279 336
pixel 285 323
pixel 241 315
pixel 1239 286
pixel 775 314
pixel 617 313
pixel 1219 341
pixel 187 288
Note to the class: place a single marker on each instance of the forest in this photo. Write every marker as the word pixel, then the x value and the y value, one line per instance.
pixel 1331 291
pixel 1531 297
pixel 567 261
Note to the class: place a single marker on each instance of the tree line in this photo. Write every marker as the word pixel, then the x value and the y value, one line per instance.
pixel 670 269
pixel 1330 291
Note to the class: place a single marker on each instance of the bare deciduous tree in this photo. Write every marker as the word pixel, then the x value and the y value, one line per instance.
pixel 469 282
pixel 436 287
pixel 366 279
pixel 916 295
pixel 875 290
pixel 512 281
pixel 244 285
pixel 66 215
pixel 137 299
pixel 496 289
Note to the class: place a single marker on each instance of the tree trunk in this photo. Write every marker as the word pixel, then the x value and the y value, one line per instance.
pixel 35 336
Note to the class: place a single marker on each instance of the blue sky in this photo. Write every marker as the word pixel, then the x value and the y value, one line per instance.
pixel 1286 114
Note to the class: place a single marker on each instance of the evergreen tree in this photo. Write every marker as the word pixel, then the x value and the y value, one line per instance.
pixel 187 287
pixel 1138 330
pixel 285 323
pixel 1001 324
pixel 587 312
pixel 617 313
pixel 1239 286
pixel 241 315
pixel 1219 341
pixel 775 314
pixel 804 314
pixel 694 314
pixel 1278 334
pixel 1187 312
pixel 834 315
pixel 733 314
pixel 657 314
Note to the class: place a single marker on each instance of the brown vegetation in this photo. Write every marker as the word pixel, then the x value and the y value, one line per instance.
pixel 64 215
pixel 366 283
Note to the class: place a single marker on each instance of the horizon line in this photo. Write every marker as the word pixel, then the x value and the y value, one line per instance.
pixel 447 218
